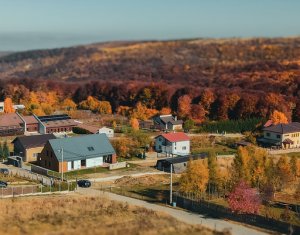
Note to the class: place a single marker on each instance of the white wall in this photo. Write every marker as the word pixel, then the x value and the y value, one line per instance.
pixel 98 161
pixel 181 148
pixel 108 131
pixel 77 165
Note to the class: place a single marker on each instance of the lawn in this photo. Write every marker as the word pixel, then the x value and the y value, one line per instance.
pixel 89 171
pixel 67 215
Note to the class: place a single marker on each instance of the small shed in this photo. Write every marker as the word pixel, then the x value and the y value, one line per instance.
pixel 179 164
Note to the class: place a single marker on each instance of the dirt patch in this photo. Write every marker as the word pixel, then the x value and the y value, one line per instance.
pixel 144 180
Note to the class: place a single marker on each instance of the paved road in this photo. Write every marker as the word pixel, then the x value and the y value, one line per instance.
pixel 187 217
pixel 115 177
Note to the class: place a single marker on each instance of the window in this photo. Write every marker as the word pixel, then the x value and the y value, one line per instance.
pixel 268 134
pixel 83 163
pixel 90 148
pixel 184 148
pixel 35 155
pixel 47 153
pixel 278 136
pixel 72 164
pixel 49 164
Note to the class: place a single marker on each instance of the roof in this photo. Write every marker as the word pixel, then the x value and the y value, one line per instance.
pixel 34 140
pixel 187 158
pixel 89 128
pixel 82 147
pixel 268 123
pixel 10 119
pixel 60 123
pixel 30 120
pixel 284 128
pixel 169 119
pixel 175 136
pixel 288 141
pixel 54 117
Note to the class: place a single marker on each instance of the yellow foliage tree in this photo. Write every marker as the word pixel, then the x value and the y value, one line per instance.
pixel 8 106
pixel 278 117
pixel 165 111
pixel 104 107
pixel 134 123
pixel 195 179
pixel 68 104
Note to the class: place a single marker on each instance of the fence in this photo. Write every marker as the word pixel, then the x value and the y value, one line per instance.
pixel 37 189
pixel 197 205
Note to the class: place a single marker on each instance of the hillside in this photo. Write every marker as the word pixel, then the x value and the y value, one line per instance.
pixel 223 78
pixel 230 62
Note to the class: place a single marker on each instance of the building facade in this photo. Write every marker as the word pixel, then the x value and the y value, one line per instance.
pixel 173 144
pixel 28 147
pixel 167 122
pixel 281 136
pixel 109 132
pixel 76 153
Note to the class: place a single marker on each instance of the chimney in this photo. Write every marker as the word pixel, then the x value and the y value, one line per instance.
pixel 175 118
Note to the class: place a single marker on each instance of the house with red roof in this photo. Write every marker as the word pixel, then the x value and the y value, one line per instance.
pixel 173 143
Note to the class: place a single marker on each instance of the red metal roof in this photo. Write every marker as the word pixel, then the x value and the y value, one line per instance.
pixel 268 123
pixel 176 137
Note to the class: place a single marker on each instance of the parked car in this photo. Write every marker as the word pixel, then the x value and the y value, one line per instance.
pixel 84 183
pixel 3 184
pixel 4 171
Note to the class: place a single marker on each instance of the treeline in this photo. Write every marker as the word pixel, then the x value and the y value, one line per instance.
pixel 197 103
pixel 235 126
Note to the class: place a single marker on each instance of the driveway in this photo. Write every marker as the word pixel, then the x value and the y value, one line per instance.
pixel 184 216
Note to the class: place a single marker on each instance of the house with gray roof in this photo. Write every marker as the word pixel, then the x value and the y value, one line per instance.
pixel 76 153
pixel 281 136
pixel 167 122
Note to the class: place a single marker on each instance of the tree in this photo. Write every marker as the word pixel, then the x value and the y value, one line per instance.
pixel 5 150
pixel 114 124
pixel 68 104
pixel 8 106
pixel 134 123
pixel 188 125
pixel 213 171
pixel 104 107
pixel 165 111
pixel 244 199
pixel 278 117
pixel 1 151
pixel 284 171
pixel 195 179
pixel 184 106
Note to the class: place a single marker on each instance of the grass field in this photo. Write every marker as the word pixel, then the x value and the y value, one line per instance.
pixel 86 215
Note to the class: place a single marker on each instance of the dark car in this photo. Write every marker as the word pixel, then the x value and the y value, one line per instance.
pixel 84 183
pixel 3 184
pixel 4 171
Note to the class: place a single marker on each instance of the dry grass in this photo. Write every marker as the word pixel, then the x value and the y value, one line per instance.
pixel 85 215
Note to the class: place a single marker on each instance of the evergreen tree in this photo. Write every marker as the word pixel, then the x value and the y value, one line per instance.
pixel 5 150
pixel 1 151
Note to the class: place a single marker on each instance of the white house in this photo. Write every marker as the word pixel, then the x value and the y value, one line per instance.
pixel 108 131
pixel 173 143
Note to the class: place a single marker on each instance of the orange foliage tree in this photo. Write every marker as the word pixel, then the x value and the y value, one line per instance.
pixel 134 123
pixel 184 106
pixel 8 106
pixel 278 117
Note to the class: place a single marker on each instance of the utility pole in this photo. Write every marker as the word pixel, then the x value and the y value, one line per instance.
pixel 171 184
pixel 62 163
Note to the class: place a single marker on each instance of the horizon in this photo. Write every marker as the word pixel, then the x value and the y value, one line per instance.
pixel 34 25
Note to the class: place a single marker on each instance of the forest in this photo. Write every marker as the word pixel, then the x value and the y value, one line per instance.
pixel 199 79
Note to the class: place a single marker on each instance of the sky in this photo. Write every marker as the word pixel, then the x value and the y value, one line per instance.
pixel 42 24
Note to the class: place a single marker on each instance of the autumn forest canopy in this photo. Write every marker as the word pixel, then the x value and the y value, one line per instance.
pixel 203 79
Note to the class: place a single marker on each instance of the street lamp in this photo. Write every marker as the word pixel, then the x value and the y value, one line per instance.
pixel 171 184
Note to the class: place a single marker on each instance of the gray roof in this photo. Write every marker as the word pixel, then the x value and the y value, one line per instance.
pixel 34 140
pixel 284 128
pixel 169 119
pixel 82 147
